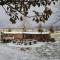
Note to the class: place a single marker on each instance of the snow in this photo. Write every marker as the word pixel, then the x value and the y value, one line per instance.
pixel 13 32
pixel 26 32
pixel 40 51
pixel 7 53
pixel 36 32
pixel 25 46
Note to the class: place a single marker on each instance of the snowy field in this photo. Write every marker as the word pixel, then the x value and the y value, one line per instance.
pixel 56 35
pixel 40 51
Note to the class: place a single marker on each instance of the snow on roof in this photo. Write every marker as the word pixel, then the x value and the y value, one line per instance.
pixel 12 32
pixel 26 32
pixel 36 32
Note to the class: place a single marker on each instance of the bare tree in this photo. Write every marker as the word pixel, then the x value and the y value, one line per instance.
pixel 22 6
pixel 9 29
pixel 51 29
pixel 40 29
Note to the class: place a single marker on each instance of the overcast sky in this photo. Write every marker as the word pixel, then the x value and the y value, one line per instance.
pixel 5 23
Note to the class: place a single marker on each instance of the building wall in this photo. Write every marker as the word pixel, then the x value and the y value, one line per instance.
pixel 12 36
pixel 37 36
pixel 26 36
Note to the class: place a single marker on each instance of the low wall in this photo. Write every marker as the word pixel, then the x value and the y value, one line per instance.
pixel 26 35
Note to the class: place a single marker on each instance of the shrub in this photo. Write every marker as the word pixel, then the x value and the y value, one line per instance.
pixel 40 30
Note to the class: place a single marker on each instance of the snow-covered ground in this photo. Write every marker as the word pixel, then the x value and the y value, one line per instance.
pixel 40 51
